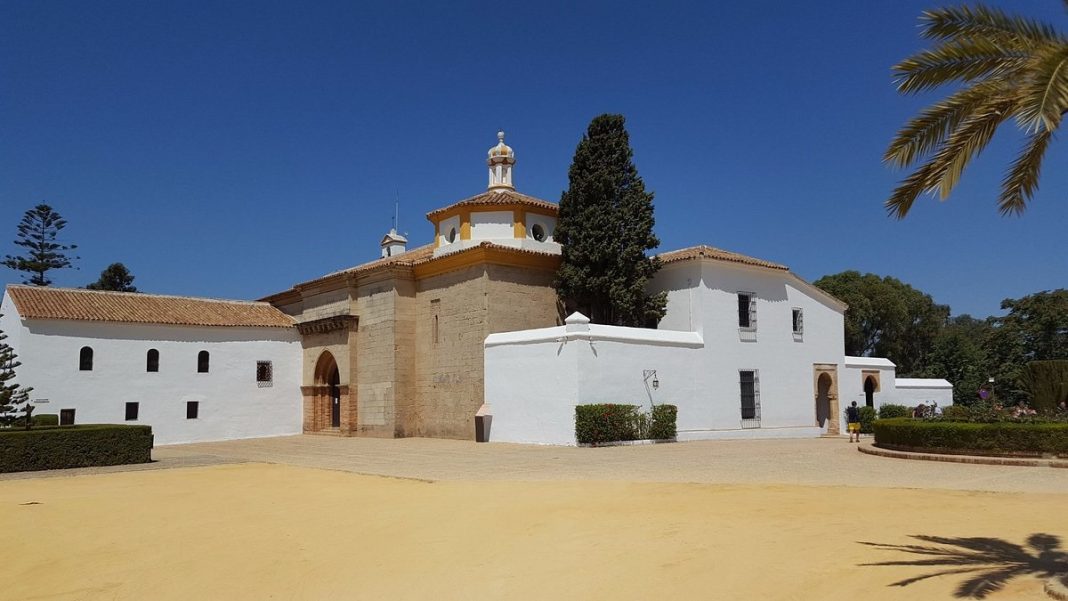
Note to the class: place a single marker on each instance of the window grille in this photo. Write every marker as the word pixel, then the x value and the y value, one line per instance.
pixel 749 384
pixel 152 362
pixel 192 409
pixel 747 311
pixel 131 411
pixel 203 362
pixel 798 322
pixel 264 374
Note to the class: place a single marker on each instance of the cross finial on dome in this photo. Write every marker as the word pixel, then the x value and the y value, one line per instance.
pixel 500 161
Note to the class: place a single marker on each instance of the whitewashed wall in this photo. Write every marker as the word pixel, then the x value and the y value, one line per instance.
pixel 232 404
pixel 913 391
pixel 535 378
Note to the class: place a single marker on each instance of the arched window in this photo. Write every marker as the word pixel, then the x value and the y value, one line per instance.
pixel 153 360
pixel 202 362
pixel 85 359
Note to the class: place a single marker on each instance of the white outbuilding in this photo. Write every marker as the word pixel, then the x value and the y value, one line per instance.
pixel 747 350
pixel 194 369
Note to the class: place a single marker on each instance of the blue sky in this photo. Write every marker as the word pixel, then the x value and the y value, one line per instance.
pixel 233 149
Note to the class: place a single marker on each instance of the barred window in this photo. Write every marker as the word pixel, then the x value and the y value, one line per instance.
pixel 203 362
pixel 749 383
pixel 192 409
pixel 264 373
pixel 798 321
pixel 131 411
pixel 152 362
pixel 747 310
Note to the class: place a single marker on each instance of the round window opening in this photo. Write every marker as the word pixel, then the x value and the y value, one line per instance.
pixel 452 236
pixel 538 232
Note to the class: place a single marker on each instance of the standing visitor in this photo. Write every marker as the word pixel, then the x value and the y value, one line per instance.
pixel 853 421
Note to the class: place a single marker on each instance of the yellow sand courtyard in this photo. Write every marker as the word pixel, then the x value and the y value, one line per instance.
pixel 263 531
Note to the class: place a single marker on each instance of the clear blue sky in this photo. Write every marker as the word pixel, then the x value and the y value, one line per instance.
pixel 233 149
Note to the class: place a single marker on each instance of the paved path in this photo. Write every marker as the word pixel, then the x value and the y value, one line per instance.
pixel 798 461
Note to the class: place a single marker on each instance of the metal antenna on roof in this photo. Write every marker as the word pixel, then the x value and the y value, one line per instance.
pixel 396 209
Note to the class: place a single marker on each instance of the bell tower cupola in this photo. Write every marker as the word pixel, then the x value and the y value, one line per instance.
pixel 500 161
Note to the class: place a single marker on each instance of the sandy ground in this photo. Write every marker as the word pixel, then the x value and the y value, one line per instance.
pixel 257 531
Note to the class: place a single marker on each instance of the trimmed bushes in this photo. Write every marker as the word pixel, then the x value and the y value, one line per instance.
pixel 45 419
pixel 998 438
pixel 888 411
pixel 867 418
pixel 608 422
pixel 50 448
pixel 662 426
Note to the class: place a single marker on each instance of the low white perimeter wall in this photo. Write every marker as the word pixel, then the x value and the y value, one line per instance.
pixel 913 391
pixel 534 378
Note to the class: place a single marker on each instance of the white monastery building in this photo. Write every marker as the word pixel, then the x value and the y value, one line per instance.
pixel 416 342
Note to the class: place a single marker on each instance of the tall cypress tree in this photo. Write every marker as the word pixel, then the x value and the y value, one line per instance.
pixel 38 233
pixel 13 398
pixel 606 228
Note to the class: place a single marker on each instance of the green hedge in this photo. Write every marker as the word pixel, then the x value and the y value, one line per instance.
pixel 889 410
pixel 50 448
pixel 45 419
pixel 999 438
pixel 608 422
pixel 663 422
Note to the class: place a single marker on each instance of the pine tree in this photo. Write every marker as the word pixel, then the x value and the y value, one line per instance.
pixel 37 233
pixel 115 278
pixel 606 227
pixel 13 398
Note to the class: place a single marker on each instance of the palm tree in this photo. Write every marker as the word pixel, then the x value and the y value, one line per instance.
pixel 1005 67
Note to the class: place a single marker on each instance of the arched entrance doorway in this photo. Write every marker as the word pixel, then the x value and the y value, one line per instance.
pixel 869 391
pixel 823 399
pixel 825 389
pixel 327 393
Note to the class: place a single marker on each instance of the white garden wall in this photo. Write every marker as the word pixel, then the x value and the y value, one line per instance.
pixel 913 391
pixel 231 402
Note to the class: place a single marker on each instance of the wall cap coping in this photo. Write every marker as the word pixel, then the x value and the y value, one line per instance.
pixel 597 332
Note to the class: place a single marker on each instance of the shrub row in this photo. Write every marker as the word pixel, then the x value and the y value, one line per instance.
pixel 1000 438
pixel 889 410
pixel 49 448
pixel 608 422
pixel 45 419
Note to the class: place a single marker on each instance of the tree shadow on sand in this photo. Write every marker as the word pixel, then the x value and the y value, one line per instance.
pixel 989 562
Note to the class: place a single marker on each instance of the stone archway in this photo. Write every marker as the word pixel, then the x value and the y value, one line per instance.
pixel 825 387
pixel 823 399
pixel 870 387
pixel 326 401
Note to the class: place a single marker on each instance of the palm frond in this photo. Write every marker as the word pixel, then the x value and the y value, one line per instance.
pixel 930 128
pixel 1021 182
pixel 1044 98
pixel 981 21
pixel 956 61
pixel 942 172
pixel 965 142
pixel 906 193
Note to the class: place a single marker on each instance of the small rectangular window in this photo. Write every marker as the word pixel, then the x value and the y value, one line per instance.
pixel 131 411
pixel 264 373
pixel 798 322
pixel 749 384
pixel 66 417
pixel 192 409
pixel 747 310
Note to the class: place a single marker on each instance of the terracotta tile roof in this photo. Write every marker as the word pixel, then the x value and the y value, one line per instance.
pixel 91 305
pixel 696 252
pixel 405 259
pixel 409 259
pixel 490 198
